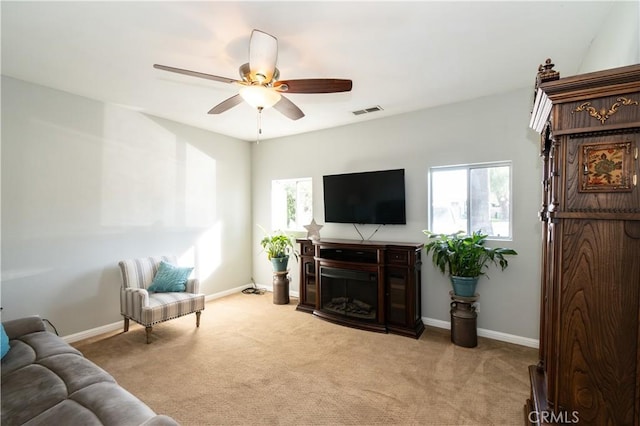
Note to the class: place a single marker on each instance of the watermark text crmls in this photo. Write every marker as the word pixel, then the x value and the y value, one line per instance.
pixel 563 417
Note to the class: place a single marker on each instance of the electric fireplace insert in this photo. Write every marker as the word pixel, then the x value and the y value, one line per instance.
pixel 353 294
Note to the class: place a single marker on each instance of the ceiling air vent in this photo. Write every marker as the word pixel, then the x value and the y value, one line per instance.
pixel 367 110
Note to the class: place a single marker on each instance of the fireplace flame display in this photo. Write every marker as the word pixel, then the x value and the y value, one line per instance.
pixel 351 307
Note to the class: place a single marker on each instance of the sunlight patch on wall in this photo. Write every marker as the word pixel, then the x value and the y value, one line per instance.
pixel 151 178
pixel 200 188
pixel 206 254
pixel 209 250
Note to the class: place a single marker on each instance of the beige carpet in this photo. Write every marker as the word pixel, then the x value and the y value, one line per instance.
pixel 255 363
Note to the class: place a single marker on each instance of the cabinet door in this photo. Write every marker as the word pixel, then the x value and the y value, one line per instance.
pixel 598 320
pixel 308 288
pixel 308 293
pixel 397 296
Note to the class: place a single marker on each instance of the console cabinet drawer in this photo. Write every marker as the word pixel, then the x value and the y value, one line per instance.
pixel 397 257
pixel 308 249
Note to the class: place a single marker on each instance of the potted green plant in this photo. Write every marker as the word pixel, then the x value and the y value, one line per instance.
pixel 278 246
pixel 465 258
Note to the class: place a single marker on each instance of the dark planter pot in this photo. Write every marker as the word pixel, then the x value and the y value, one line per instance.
pixel 464 286
pixel 280 263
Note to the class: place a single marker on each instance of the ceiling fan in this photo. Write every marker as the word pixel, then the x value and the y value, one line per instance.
pixel 260 85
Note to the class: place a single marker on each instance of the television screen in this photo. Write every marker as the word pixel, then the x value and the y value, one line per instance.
pixel 367 197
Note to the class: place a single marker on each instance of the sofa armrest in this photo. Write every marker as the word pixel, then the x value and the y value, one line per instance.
pixel 193 286
pixel 21 326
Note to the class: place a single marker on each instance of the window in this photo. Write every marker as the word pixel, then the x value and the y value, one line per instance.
pixel 291 204
pixel 471 198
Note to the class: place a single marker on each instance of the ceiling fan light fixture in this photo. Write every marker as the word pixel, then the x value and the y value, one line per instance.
pixel 259 96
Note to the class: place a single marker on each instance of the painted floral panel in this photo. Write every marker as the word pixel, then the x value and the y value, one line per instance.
pixel 606 167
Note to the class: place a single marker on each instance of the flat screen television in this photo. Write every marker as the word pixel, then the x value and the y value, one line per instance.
pixel 376 197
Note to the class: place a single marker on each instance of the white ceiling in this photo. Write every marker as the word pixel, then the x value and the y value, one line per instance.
pixel 403 56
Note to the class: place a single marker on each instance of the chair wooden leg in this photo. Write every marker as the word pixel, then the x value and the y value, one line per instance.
pixel 148 330
pixel 198 318
pixel 126 324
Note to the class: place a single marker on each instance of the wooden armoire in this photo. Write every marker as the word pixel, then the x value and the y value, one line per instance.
pixel 589 367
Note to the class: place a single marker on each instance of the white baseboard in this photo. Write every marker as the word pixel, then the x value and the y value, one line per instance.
pixel 93 332
pixel 495 335
pixel 215 296
pixel 119 325
pixel 483 332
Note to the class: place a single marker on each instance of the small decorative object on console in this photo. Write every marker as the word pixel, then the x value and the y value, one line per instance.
pixel 313 230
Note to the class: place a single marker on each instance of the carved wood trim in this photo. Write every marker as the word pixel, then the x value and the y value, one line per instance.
pixel 592 85
pixel 603 114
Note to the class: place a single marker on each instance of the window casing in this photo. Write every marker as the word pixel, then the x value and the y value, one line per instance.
pixel 470 198
pixel 291 204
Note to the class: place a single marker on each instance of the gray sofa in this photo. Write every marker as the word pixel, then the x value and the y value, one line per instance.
pixel 45 381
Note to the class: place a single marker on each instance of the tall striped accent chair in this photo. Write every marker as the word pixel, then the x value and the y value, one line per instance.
pixel 149 308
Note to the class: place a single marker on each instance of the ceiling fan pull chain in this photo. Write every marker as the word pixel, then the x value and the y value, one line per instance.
pixel 259 124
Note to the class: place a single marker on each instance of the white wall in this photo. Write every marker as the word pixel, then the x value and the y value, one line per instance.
pixel 618 42
pixel 86 184
pixel 487 129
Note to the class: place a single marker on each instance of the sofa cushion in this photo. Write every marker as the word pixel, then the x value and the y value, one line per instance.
pixel 29 391
pixel 67 412
pixel 102 403
pixel 77 372
pixel 19 356
pixel 45 344
pixel 34 347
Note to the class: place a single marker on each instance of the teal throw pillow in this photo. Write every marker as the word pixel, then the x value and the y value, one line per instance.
pixel 170 278
pixel 5 342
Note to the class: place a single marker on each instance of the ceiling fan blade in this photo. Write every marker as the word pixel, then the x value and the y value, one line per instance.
pixel 263 55
pixel 194 73
pixel 288 109
pixel 314 85
pixel 226 105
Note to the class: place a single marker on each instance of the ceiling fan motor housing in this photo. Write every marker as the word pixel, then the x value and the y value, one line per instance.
pixel 258 78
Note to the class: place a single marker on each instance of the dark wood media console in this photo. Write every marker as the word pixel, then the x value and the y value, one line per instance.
pixel 370 285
